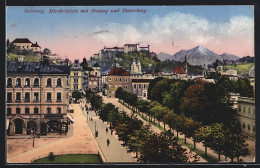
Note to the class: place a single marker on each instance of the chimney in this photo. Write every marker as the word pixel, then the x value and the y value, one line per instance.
pixel 36 42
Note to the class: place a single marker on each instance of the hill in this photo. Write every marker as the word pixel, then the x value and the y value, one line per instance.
pixel 163 56
pixel 241 68
pixel 14 57
pixel 226 56
pixel 246 59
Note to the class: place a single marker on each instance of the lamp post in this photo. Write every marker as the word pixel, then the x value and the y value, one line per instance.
pixel 95 129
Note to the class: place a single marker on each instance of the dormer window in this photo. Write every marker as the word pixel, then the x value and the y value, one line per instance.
pixel 49 82
pixel 18 82
pixel 27 82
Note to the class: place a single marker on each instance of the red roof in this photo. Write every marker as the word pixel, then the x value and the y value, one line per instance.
pixel 21 40
pixel 118 71
pixel 178 70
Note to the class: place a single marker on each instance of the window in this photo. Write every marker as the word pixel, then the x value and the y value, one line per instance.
pixel 27 97
pixel 126 79
pixel 144 95
pixel 126 86
pixel 75 74
pixel 27 110
pixel 9 97
pixel 58 97
pixel 109 79
pixel 244 125
pixel 249 110
pixel 18 82
pixel 120 79
pixel 244 109
pixel 36 97
pixel 239 108
pixel 36 110
pixel 9 111
pixel 18 96
pixel 116 79
pixel 9 82
pixel 248 127
pixel 49 82
pixel 140 86
pixel 58 110
pixel 48 97
pixel 144 86
pixel 48 110
pixel 18 110
pixel 27 82
pixel 135 86
pixel 59 82
pixel 36 82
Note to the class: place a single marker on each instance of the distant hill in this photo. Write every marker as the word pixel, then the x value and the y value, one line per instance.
pixel 197 56
pixel 246 59
pixel 163 56
pixel 226 56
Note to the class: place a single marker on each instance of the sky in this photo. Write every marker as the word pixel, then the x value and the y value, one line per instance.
pixel 82 31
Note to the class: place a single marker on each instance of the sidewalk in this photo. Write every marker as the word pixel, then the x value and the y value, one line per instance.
pixel 115 152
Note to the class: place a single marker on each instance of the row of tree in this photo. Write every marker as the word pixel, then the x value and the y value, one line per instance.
pixel 209 135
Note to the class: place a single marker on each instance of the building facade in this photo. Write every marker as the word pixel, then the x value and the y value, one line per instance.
pixel 118 77
pixel 37 98
pixel 140 87
pixel 78 78
pixel 136 67
pixel 246 115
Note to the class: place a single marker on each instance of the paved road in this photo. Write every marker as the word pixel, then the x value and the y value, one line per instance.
pixel 81 141
pixel 115 152
pixel 128 111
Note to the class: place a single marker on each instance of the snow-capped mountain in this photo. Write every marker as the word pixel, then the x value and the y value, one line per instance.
pixel 226 56
pixel 163 56
pixel 197 56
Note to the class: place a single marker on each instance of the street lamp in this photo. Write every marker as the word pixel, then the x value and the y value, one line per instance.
pixel 95 129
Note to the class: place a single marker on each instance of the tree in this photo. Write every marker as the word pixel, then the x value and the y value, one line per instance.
pixel 244 88
pixel 157 91
pixel 142 106
pixel 226 84
pixel 162 148
pixel 46 51
pixel 151 86
pixel 203 135
pixel 76 94
pixel 119 93
pixel 235 143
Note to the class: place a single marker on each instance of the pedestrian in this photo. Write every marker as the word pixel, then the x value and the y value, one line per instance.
pixel 96 133
pixel 108 142
pixel 111 131
pixel 106 130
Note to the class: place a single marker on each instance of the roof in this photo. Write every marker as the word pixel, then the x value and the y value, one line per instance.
pixel 21 40
pixel 96 65
pixel 36 68
pixel 130 44
pixel 35 45
pixel 178 70
pixel 141 80
pixel 118 71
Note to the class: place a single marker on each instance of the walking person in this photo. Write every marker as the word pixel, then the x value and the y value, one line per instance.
pixel 111 131
pixel 106 129
pixel 108 142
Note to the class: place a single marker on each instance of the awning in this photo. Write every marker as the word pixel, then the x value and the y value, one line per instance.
pixel 70 118
pixel 7 123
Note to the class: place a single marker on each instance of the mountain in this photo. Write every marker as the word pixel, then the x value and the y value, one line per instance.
pixel 246 59
pixel 226 56
pixel 197 56
pixel 163 56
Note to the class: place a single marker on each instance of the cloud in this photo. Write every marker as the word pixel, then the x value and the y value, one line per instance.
pixel 181 26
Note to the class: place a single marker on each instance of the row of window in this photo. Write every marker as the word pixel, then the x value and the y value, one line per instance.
pixel 35 97
pixel 249 109
pixel 35 110
pixel 35 82
pixel 118 79
pixel 118 86
pixel 248 127
pixel 140 86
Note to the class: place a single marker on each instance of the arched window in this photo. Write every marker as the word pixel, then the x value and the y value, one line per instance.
pixel 49 82
pixel 59 82
pixel 244 125
pixel 27 82
pixel 36 82
pixel 9 82
pixel 248 127
pixel 18 82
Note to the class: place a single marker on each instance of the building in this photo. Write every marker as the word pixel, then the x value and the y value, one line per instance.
pixel 93 83
pixel 136 67
pixel 96 75
pixel 179 72
pixel 26 44
pixel 37 97
pixel 246 115
pixel 118 77
pixel 78 78
pixel 140 87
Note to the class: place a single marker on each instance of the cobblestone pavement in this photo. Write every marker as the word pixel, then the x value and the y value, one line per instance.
pixel 81 141
pixel 114 152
